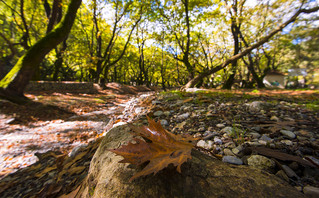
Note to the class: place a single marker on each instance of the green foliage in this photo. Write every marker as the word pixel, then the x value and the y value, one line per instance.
pixel 157 49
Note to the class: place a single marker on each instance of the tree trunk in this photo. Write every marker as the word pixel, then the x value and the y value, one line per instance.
pixel 13 84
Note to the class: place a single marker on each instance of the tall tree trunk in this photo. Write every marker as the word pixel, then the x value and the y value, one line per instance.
pixel 235 30
pixel 13 84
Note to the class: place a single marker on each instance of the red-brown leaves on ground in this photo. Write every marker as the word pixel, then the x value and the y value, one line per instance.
pixel 160 148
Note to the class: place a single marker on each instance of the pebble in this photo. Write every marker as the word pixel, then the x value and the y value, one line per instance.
pixel 287 142
pixel 282 175
pixel 254 135
pixel 262 142
pixel 228 130
pixel 274 118
pixel 228 152
pixel 164 122
pixel 183 116
pixel 237 150
pixel 255 106
pixel 311 191
pixel 261 162
pixel 232 160
pixel 290 173
pixel 206 145
pixel 158 113
pixel 266 138
pixel 288 134
pixel 218 141
pixel 220 125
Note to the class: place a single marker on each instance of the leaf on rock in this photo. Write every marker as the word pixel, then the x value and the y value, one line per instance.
pixel 159 147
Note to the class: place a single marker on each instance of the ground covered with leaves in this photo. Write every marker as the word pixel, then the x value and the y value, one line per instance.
pixel 57 121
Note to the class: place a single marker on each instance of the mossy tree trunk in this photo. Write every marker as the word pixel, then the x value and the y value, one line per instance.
pixel 13 84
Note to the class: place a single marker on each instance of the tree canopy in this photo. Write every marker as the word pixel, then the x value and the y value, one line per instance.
pixel 223 43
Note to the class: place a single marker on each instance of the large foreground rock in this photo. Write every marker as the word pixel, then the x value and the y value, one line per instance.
pixel 202 176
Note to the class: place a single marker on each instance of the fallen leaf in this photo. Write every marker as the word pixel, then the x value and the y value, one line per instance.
pixel 159 147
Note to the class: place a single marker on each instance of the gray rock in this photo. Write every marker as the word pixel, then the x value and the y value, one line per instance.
pixel 183 116
pixel 254 135
pixel 228 152
pixel 202 176
pixel 237 150
pixel 232 160
pixel 158 113
pixel 164 122
pixel 290 173
pixel 230 145
pixel 218 141
pixel 201 129
pixel 261 162
pixel 266 138
pixel 288 134
pixel 228 130
pixel 255 106
pixel 282 175
pixel 311 192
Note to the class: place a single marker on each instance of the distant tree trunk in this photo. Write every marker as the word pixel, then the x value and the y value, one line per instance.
pixel 235 30
pixel 13 84
pixel 263 40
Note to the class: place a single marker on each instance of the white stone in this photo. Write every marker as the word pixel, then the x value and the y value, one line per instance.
pixel 220 125
pixel 183 116
pixel 218 141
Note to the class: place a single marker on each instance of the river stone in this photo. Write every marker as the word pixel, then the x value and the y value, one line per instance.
pixel 261 162
pixel 232 160
pixel 158 113
pixel 164 122
pixel 183 116
pixel 202 176
pixel 265 137
pixel 288 134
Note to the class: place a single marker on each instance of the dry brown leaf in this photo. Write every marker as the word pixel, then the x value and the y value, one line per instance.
pixel 160 148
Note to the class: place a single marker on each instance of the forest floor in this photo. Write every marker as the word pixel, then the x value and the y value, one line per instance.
pixel 59 122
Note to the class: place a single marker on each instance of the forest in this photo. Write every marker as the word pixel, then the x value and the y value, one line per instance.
pixel 159 98
pixel 216 44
